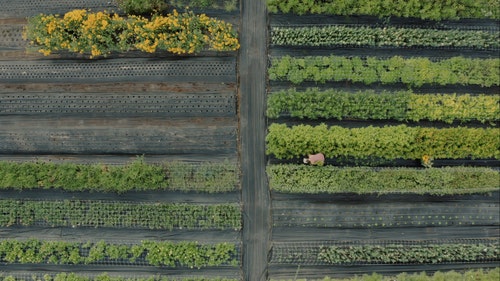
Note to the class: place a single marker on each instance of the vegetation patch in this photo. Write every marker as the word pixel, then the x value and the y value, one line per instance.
pixel 388 142
pixel 164 253
pixel 413 72
pixel 101 33
pixel 137 175
pixel 330 179
pixel 338 35
pixel 63 276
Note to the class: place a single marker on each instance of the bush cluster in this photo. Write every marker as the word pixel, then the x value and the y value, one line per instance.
pixel 339 35
pixel 137 175
pixel 164 253
pixel 423 9
pixel 82 213
pixel 409 254
pixel 314 103
pixel 413 72
pixel 63 276
pixel 293 178
pixel 101 33
pixel 388 142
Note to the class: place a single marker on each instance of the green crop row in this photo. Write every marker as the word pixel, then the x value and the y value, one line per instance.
pixel 424 9
pixel 401 105
pixel 338 35
pixel 206 177
pixel 293 178
pixel 138 7
pixel 75 213
pixel 388 142
pixel 474 274
pixel 164 253
pixel 63 276
pixel 414 254
pixel 410 71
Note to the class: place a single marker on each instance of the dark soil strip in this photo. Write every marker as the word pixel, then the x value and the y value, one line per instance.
pixel 297 234
pixel 115 235
pixel 219 69
pixel 123 270
pixel 319 272
pixel 139 196
pixel 255 190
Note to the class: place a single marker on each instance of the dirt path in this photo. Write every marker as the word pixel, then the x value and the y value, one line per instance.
pixel 255 192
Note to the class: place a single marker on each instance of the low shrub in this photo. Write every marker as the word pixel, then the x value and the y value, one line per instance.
pixel 139 7
pixel 314 103
pixel 63 276
pixel 338 35
pixel 291 178
pixel 82 213
pixel 137 175
pixel 164 253
pixel 413 72
pixel 101 33
pixel 388 142
pixel 424 9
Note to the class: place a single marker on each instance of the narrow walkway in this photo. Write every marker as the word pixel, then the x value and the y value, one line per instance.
pixel 255 192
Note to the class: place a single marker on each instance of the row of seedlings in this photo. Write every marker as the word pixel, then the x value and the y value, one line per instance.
pixel 404 105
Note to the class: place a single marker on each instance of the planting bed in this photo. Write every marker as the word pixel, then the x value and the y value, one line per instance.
pixel 85 203
pixel 336 79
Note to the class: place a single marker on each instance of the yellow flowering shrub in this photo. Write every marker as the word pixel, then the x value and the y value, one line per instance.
pixel 99 34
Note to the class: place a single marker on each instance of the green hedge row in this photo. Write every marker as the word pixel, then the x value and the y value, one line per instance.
pixel 138 7
pixel 75 213
pixel 292 178
pixel 424 9
pixel 314 103
pixel 409 254
pixel 389 142
pixel 137 175
pixel 411 71
pixel 63 276
pixel 475 274
pixel 164 253
pixel 338 35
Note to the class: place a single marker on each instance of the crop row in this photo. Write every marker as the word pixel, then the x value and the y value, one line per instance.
pixel 338 35
pixel 413 72
pixel 63 276
pixel 424 9
pixel 473 274
pixel 164 253
pixel 101 33
pixel 79 213
pixel 388 142
pixel 159 6
pixel 400 105
pixel 137 175
pixel 413 254
pixel 291 178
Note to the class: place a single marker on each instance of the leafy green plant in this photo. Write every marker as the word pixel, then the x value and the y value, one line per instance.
pixel 137 175
pixel 388 142
pixel 164 253
pixel 63 276
pixel 292 178
pixel 404 254
pixel 81 213
pixel 227 5
pixel 424 9
pixel 138 7
pixel 413 72
pixel 314 103
pixel 338 35
pixel 101 33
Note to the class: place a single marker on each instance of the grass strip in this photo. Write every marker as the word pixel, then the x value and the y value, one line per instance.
pixel 292 178
pixel 314 103
pixel 164 253
pixel 388 142
pixel 80 213
pixel 135 176
pixel 338 35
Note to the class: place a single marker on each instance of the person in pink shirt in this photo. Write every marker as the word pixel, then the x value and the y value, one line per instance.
pixel 317 159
